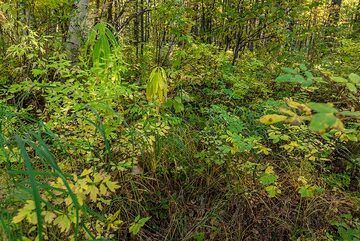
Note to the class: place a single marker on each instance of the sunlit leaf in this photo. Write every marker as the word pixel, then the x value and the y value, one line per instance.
pixel 156 89
pixel 49 216
pixel 93 192
pixel 112 186
pixel 103 190
pixel 63 222
pixel 272 119
pixel 86 172
pixel 296 105
pixel 20 216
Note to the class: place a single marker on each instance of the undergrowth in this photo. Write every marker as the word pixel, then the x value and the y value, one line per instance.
pixel 197 146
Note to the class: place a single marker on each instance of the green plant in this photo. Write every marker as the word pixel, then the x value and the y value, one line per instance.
pixel 326 116
pixel 299 75
pixel 351 84
pixel 268 180
pixel 157 87
pixel 101 42
pixel 348 228
pixel 138 223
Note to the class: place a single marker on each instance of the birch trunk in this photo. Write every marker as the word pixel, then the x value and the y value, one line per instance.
pixel 77 26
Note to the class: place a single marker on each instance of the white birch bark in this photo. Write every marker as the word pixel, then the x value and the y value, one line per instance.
pixel 77 26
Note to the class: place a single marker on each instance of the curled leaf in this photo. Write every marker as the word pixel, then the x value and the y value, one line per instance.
pixel 296 105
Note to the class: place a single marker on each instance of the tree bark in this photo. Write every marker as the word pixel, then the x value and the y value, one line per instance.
pixel 77 26
pixel 335 12
pixel 357 18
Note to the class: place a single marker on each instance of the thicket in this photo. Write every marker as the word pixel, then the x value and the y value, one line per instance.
pixel 179 120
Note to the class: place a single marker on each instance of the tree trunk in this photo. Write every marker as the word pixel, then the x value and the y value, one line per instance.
pixel 335 12
pixel 357 18
pixel 136 28
pixel 77 26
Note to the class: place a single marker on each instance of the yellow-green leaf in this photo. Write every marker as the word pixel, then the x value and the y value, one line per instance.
pixel 85 172
pixel 49 216
pixel 102 189
pixel 272 191
pixel 93 191
pixel 63 222
pixel 112 185
pixel 19 217
pixel 272 119
pixel 351 87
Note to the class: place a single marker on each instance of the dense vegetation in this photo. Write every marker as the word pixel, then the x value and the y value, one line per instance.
pixel 179 120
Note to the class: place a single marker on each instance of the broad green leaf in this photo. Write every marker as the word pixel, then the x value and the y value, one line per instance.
pixel 287 112
pixel 284 78
pixel 354 78
pixel 289 70
pixel 268 178
pixel 306 191
pixel 272 119
pixel 298 79
pixel 339 79
pixel 80 198
pixel 319 80
pixel 136 226
pixel 32 218
pixel 351 87
pixel 309 75
pixel 269 170
pixel 322 108
pixel 23 238
pixel 178 106
pixel 296 105
pixel 303 67
pixel 322 121
pixel 37 72
pixel 25 211
pixel 98 177
pixel 338 125
pixel 307 83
